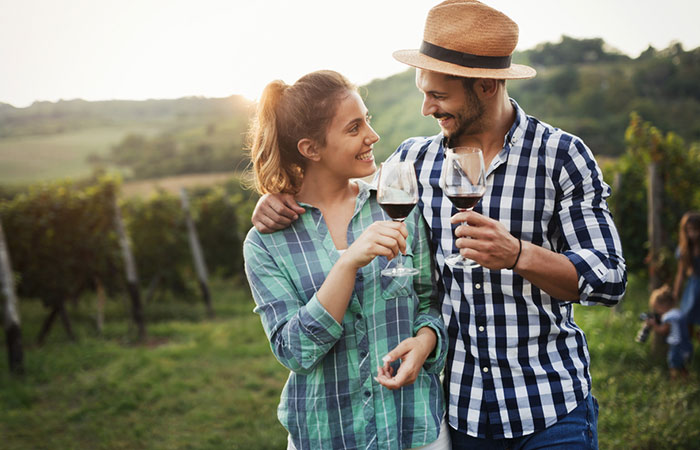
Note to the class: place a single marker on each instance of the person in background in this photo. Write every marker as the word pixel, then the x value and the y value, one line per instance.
pixel 518 368
pixel 329 314
pixel 689 270
pixel 670 321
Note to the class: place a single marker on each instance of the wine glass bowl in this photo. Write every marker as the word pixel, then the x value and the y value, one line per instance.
pixel 463 180
pixel 397 194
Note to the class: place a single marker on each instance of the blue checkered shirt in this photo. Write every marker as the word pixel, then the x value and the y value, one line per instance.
pixel 331 400
pixel 517 361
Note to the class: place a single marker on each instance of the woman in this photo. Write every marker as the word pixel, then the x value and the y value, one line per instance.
pixel 330 316
pixel 689 267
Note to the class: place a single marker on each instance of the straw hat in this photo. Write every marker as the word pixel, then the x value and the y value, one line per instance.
pixel 468 39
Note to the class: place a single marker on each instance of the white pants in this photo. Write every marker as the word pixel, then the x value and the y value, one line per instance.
pixel 441 443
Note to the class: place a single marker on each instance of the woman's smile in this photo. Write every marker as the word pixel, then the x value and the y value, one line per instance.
pixel 367 156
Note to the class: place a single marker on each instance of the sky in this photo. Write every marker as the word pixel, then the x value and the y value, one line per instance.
pixel 141 49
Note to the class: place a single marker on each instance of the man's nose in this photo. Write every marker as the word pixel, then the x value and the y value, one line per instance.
pixel 428 108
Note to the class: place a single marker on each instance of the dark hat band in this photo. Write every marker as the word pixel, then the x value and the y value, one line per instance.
pixel 464 59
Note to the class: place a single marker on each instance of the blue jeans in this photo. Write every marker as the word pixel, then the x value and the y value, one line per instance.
pixel 679 355
pixel 578 430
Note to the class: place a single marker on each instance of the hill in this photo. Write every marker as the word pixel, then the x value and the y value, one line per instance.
pixel 582 86
pixel 71 138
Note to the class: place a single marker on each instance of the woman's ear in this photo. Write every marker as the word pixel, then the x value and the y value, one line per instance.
pixel 308 149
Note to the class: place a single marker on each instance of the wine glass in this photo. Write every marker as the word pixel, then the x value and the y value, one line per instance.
pixel 463 179
pixel 397 194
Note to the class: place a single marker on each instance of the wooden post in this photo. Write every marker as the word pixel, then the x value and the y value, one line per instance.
pixel 132 280
pixel 13 332
pixel 100 309
pixel 655 236
pixel 654 227
pixel 197 254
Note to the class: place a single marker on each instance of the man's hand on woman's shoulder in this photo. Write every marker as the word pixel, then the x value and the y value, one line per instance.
pixel 274 212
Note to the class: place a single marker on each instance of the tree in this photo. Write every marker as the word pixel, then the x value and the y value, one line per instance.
pixel 678 166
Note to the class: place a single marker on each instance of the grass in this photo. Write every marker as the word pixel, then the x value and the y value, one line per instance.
pixel 29 159
pixel 197 384
pixel 214 384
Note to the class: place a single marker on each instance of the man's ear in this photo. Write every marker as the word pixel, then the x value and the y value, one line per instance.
pixel 486 87
pixel 308 149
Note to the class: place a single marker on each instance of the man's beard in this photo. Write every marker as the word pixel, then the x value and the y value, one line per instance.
pixel 468 120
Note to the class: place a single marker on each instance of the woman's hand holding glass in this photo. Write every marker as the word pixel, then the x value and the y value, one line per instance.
pixel 384 238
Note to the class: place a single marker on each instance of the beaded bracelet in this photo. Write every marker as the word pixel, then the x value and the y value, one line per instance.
pixel 520 249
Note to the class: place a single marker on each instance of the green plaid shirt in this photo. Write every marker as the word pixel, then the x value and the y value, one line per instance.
pixel 331 400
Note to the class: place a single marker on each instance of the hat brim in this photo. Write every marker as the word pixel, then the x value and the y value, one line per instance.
pixel 417 59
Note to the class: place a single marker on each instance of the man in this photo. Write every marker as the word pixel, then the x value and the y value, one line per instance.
pixel 518 367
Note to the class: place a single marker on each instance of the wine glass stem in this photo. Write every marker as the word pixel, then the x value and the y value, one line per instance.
pixel 399 257
pixel 464 224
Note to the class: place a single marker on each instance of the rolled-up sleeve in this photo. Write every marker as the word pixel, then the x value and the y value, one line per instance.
pixel 300 331
pixel 591 238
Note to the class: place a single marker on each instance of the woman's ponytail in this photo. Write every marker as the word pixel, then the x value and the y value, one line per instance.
pixel 270 175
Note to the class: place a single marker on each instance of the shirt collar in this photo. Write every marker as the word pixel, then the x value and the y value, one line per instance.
pixel 517 130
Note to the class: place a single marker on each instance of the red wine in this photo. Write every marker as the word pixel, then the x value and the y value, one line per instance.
pixel 465 201
pixel 397 211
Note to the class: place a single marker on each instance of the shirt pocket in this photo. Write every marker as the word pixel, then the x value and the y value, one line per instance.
pixel 396 287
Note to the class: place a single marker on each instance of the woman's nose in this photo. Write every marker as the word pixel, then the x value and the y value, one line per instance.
pixel 372 137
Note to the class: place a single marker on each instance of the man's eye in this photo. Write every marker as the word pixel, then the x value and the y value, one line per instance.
pixel 354 129
pixel 369 119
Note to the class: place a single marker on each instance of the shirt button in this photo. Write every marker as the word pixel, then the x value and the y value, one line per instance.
pixel 363 354
pixel 358 316
pixel 367 394
pixel 477 285
pixel 485 369
pixel 514 139
pixel 481 328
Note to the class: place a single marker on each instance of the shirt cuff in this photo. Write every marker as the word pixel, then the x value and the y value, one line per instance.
pixel 436 360
pixel 592 270
pixel 318 324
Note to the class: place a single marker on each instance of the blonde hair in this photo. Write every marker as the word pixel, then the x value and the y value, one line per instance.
pixel 685 245
pixel 662 296
pixel 286 114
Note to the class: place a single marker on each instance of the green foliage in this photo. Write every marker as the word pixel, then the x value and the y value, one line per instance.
pixel 219 230
pixel 47 118
pixel 573 51
pixel 169 154
pixel 680 169
pixel 194 384
pixel 60 239
pixel 159 241
pixel 589 91
pixel 640 408
pixel 191 386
